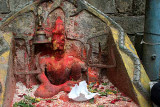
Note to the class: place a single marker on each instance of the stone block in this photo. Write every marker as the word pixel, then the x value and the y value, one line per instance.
pixel 124 6
pixel 139 7
pixel 4 7
pixel 16 4
pixel 106 6
pixel 131 24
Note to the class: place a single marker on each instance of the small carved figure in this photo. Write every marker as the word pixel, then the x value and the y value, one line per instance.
pixel 58 68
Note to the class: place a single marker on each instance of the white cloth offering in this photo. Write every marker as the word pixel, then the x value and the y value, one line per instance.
pixel 81 93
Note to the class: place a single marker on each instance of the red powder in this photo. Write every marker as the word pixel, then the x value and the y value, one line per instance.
pixel 75 23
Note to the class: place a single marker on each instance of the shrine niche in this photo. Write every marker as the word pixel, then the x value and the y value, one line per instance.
pixel 55 45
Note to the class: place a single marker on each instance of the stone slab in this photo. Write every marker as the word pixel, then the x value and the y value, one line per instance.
pixel 122 76
pixel 131 24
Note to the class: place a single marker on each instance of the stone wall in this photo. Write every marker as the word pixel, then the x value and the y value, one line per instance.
pixel 128 13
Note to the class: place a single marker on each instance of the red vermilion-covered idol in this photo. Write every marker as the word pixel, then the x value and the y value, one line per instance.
pixel 58 68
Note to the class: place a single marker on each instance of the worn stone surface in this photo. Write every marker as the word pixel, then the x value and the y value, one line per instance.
pixel 139 7
pixel 4 7
pixel 124 6
pixel 3 44
pixel 106 6
pixel 83 26
pixel 86 26
pixel 16 4
pixel 131 24
pixel 23 24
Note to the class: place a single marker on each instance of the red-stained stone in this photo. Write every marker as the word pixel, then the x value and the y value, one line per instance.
pixel 67 89
pixel 59 66
pixel 64 98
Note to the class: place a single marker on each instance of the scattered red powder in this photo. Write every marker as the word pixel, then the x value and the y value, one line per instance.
pixel 48 101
